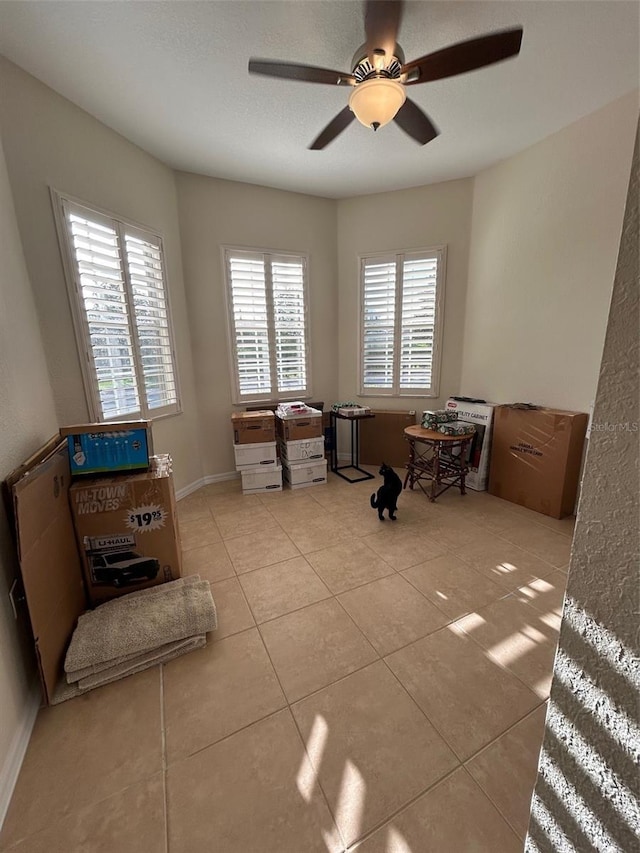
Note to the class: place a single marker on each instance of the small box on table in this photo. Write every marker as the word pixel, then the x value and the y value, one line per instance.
pixel 433 419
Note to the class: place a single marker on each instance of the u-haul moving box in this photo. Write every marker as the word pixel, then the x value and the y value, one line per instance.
pixel 127 533
pixel 481 416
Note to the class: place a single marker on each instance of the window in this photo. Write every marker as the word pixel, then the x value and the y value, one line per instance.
pixel 117 287
pixel 402 297
pixel 267 299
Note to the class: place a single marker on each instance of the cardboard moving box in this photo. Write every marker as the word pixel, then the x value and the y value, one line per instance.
pixel 296 427
pixel 49 560
pixel 127 533
pixel 253 427
pixel 536 456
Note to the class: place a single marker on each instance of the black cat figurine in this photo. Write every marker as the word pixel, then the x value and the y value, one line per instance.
pixel 387 496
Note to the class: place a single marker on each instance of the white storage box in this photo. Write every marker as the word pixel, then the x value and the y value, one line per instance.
pixel 302 449
pixel 261 480
pixel 481 416
pixel 260 455
pixel 353 411
pixel 304 474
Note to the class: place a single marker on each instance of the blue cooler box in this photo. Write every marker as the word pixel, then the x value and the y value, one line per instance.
pixel 109 448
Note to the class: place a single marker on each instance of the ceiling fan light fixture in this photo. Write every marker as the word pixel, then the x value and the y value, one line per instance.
pixel 376 102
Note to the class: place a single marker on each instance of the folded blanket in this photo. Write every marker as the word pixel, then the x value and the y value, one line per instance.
pixel 66 691
pixel 140 622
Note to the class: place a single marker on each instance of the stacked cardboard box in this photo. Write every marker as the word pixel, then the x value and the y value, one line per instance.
pixel 123 507
pixel 301 439
pixel 126 520
pixel 256 451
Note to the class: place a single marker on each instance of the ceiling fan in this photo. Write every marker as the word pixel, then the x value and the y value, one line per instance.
pixel 380 75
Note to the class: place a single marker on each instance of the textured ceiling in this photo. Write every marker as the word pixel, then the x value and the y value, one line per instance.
pixel 172 77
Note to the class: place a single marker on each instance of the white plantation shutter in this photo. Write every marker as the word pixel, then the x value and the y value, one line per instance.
pixel 287 276
pixel 379 321
pixel 268 323
pixel 402 296
pixel 121 313
pixel 250 324
pixel 418 318
pixel 151 316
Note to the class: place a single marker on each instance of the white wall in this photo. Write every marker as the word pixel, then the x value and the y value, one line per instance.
pixel 214 213
pixel 418 218
pixel 546 227
pixel 27 420
pixel 591 743
pixel 48 141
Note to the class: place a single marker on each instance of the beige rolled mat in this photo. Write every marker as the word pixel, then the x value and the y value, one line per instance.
pixel 115 633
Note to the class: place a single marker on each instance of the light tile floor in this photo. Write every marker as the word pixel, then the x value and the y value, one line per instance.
pixel 378 687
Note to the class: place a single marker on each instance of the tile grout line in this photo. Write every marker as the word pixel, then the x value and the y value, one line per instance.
pixel 460 766
pixel 302 740
pixel 164 761
pixel 367 835
pixel 494 804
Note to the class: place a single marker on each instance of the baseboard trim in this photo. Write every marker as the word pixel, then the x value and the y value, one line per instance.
pixel 17 750
pixel 205 481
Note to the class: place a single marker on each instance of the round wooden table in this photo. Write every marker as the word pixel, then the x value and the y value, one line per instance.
pixel 437 458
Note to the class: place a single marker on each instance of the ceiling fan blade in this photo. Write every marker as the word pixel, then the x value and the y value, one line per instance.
pixel 335 126
pixel 381 24
pixel 305 73
pixel 414 122
pixel 464 56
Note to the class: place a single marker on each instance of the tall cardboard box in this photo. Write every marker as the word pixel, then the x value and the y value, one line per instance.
pixel 127 533
pixel 536 456
pixel 49 563
pixel 481 416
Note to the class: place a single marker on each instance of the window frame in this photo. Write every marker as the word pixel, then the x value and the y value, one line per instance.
pixel 78 314
pixel 274 395
pixel 438 251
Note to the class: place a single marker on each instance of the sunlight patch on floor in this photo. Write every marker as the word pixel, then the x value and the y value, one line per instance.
pixel 308 772
pixel 350 807
pixel 473 621
pixel 505 568
pixel 552 619
pixel 533 634
pixel 396 842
